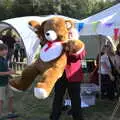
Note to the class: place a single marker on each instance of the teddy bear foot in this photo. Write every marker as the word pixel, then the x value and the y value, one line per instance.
pixel 40 93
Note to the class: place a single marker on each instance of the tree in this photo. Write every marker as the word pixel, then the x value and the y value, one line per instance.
pixel 45 7
pixel 22 8
pixel 2 12
pixel 5 9
pixel 83 8
pixel 72 8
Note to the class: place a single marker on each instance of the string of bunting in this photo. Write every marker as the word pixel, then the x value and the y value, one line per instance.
pixel 109 24
pixel 95 25
pixel 116 33
pixel 79 26
pixel 116 28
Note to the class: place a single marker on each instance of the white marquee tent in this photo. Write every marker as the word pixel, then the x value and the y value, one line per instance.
pixel 106 21
pixel 31 41
pixel 29 38
pixel 102 23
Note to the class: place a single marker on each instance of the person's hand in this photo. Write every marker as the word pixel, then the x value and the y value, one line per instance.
pixel 70 47
pixel 11 72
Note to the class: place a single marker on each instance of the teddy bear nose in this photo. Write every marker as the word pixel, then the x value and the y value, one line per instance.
pixel 47 34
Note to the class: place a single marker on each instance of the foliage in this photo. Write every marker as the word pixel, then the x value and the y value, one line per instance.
pixel 22 8
pixel 71 8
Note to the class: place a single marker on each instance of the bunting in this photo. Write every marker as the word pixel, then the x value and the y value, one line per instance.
pixel 109 24
pixel 116 33
pixel 79 26
pixel 95 25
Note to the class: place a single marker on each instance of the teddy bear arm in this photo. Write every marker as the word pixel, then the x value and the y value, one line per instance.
pixel 27 77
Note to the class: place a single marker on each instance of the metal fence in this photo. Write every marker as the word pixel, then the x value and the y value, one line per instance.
pixel 18 66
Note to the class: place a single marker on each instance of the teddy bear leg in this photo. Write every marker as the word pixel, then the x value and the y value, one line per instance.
pixel 45 86
pixel 28 76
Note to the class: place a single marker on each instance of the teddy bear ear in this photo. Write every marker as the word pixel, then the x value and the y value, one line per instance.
pixel 69 24
pixel 34 25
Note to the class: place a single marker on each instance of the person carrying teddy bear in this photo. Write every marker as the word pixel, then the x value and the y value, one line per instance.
pixel 70 80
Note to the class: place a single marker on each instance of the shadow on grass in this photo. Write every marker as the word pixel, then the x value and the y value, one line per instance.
pixel 30 108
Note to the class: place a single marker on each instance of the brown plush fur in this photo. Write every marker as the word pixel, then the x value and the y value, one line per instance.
pixel 49 71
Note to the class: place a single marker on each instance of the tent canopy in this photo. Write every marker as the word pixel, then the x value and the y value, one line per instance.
pixel 102 23
pixel 29 38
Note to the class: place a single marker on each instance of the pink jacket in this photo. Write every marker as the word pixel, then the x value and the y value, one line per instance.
pixel 74 67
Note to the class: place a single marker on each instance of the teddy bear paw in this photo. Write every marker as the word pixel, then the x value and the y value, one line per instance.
pixel 40 93
pixel 14 89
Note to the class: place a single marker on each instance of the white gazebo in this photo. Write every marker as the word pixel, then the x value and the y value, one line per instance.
pixel 29 38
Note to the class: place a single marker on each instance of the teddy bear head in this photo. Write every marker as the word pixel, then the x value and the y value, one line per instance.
pixel 54 29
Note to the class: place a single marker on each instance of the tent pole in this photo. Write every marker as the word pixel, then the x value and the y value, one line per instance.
pixel 99 38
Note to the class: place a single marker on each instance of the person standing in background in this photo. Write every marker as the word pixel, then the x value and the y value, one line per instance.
pixel 5 91
pixel 22 52
pixel 9 40
pixel 117 58
pixel 94 75
pixel 117 64
pixel 107 78
pixel 16 51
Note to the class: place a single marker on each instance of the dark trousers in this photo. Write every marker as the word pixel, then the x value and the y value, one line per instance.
pixel 107 86
pixel 9 57
pixel 16 55
pixel 74 93
pixel 22 54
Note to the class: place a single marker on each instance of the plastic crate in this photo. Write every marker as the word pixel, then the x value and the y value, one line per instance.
pixel 89 89
pixel 86 101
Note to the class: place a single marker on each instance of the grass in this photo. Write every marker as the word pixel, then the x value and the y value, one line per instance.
pixel 30 108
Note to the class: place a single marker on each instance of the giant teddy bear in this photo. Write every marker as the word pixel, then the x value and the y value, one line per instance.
pixel 56 44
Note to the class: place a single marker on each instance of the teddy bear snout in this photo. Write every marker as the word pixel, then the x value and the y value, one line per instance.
pixel 51 35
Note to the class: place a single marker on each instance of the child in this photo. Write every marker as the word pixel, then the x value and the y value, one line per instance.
pixel 4 76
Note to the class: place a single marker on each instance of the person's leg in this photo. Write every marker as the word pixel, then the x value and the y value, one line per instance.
pixel 10 105
pixel 16 55
pixel 74 93
pixel 2 96
pixel 9 57
pixel 9 94
pixel 104 86
pixel 1 107
pixel 60 88
pixel 21 55
pixel 110 89
pixel 11 114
